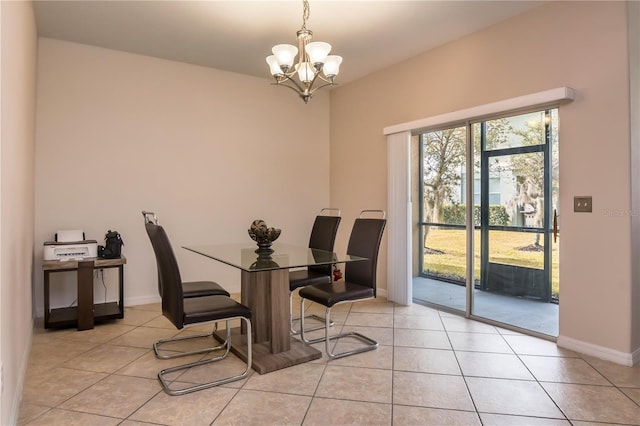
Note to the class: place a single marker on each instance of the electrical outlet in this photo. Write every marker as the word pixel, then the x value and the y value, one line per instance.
pixel 582 204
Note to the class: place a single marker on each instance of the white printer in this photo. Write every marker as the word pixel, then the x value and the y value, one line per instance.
pixel 70 245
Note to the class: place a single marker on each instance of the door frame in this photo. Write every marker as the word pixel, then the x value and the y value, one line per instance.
pixel 399 226
pixel 485 227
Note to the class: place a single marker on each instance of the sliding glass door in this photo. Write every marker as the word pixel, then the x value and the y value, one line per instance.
pixel 512 183
pixel 443 232
pixel 516 217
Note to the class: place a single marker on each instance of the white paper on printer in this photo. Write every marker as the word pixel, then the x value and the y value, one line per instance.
pixel 70 235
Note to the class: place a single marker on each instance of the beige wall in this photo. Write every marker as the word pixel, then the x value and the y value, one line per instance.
pixel 209 151
pixel 117 133
pixel 18 70
pixel 633 19
pixel 578 44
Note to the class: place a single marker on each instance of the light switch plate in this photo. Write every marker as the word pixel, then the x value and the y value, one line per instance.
pixel 582 204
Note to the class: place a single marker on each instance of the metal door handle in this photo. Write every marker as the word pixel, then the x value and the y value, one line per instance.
pixel 555 225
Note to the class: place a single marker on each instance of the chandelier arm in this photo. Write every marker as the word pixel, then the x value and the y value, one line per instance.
pixel 326 80
pixel 295 88
pixel 289 75
pixel 291 80
pixel 317 75
pixel 311 91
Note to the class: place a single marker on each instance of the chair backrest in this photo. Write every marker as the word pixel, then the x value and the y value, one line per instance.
pixel 323 237
pixel 169 280
pixel 150 217
pixel 364 241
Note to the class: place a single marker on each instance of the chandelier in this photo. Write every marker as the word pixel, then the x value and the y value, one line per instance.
pixel 314 69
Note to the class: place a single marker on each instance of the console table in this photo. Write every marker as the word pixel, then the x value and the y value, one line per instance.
pixel 86 313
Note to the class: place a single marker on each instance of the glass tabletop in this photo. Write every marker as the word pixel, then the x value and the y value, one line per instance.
pixel 284 256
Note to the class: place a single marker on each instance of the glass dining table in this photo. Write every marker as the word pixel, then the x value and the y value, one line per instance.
pixel 265 290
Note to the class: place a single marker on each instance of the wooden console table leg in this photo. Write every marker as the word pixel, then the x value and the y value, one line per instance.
pixel 121 281
pixel 85 295
pixel 46 299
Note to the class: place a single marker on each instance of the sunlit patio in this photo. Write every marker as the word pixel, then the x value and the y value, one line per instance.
pixel 525 313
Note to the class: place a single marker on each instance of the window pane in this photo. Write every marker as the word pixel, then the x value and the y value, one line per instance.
pixel 443 167
pixel 519 130
pixel 518 199
pixel 445 254
pixel 524 249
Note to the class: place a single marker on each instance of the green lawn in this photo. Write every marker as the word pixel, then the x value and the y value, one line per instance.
pixel 503 247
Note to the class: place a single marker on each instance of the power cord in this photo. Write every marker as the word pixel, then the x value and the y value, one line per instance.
pixel 103 284
pixel 100 276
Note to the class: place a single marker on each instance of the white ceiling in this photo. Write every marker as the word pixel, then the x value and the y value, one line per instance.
pixel 238 35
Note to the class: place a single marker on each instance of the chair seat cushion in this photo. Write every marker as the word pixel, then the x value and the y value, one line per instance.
pixel 213 308
pixel 203 288
pixel 305 277
pixel 335 292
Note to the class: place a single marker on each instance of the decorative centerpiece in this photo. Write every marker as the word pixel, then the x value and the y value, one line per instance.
pixel 264 260
pixel 264 236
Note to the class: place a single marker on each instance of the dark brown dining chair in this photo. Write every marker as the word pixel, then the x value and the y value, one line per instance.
pixel 186 311
pixel 323 237
pixel 359 282
pixel 192 288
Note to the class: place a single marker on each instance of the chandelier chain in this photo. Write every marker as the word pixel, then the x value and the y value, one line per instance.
pixel 305 13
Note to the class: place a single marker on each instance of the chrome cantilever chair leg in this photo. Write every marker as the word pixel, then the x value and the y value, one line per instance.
pixel 227 346
pixel 323 236
pixel 370 343
pixel 295 332
pixel 157 345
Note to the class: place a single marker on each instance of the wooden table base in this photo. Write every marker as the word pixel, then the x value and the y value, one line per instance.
pixel 266 293
pixel 263 360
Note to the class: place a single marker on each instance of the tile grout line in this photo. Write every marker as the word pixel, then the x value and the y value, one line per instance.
pixel 536 379
pixel 475 407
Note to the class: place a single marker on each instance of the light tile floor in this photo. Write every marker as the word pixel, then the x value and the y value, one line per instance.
pixel 432 368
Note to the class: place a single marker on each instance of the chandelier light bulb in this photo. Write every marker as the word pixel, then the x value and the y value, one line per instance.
pixel 332 66
pixel 305 72
pixel 285 54
pixel 274 67
pixel 317 51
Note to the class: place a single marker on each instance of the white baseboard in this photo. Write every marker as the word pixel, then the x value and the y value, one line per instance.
pixel 382 292
pixel 601 352
pixel 141 300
